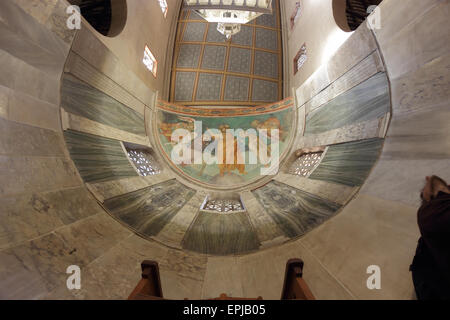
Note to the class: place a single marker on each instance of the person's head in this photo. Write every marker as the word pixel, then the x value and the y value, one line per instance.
pixel 432 187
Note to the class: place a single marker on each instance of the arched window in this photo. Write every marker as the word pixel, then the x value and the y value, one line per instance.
pixel 164 7
pixel 300 58
pixel 295 14
pixel 108 17
pixel 349 14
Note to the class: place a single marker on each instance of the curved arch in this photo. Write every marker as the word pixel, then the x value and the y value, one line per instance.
pixel 119 17
pixel 339 14
pixel 350 14
pixel 108 17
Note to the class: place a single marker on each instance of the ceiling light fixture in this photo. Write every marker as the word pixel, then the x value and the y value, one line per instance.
pixel 230 14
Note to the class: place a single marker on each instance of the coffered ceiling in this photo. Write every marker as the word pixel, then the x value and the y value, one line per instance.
pixel 209 70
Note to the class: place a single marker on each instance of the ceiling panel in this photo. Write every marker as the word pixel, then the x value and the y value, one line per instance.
pixel 210 70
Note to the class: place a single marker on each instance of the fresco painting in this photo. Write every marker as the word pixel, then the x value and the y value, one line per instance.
pixel 235 173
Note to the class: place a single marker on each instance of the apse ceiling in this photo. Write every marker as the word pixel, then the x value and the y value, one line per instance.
pixel 209 70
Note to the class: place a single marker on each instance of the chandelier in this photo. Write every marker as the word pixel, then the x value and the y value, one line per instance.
pixel 230 14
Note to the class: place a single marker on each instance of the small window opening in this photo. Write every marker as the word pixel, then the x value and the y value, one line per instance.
pixel 142 159
pixel 223 204
pixel 296 14
pixel 300 59
pixel 150 61
pixel 305 164
pixel 164 7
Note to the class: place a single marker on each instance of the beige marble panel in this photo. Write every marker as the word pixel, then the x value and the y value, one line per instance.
pixel 111 275
pixel 318 81
pixel 52 14
pixel 60 293
pixel 357 47
pixel 369 231
pixel 115 274
pixel 149 115
pixel 70 205
pixel 184 264
pixel 87 46
pixel 419 40
pixel 24 140
pixel 31 270
pixel 361 72
pixel 36 54
pixel 395 15
pixel 422 89
pixel 57 22
pixel 403 179
pixel 176 287
pixel 143 249
pixel 38 9
pixel 223 276
pixel 18 75
pixel 337 193
pixel 364 130
pixel 173 232
pixel 109 189
pixel 417 143
pixel 301 122
pixel 18 280
pixel 263 274
pixel 77 123
pixel 19 107
pixel 420 135
pixel 94 235
pixel 28 216
pixel 28 174
pixel 25 217
pixel 81 69
pixel 159 178
pixel 38 30
pixel 266 229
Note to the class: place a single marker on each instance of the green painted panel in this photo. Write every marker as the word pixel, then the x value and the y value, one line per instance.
pixel 98 158
pixel 369 100
pixel 150 209
pixel 79 98
pixel 294 211
pixel 349 163
pixel 221 234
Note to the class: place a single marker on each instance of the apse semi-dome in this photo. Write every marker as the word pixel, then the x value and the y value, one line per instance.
pixel 249 127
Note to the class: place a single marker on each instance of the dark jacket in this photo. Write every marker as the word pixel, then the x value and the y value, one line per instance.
pixel 432 259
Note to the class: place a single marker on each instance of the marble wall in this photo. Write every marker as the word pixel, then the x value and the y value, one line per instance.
pixel 295 212
pixel 79 98
pixel 148 210
pixel 368 100
pixel 98 158
pixel 221 234
pixel 348 163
